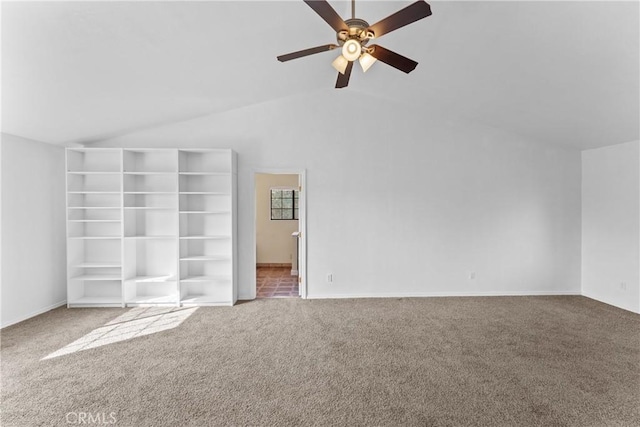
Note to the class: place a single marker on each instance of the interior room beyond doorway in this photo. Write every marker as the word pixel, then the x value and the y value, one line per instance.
pixel 277 225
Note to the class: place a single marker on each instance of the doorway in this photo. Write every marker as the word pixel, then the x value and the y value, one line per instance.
pixel 279 224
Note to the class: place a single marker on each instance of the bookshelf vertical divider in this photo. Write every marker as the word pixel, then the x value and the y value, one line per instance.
pixel 151 227
pixel 122 282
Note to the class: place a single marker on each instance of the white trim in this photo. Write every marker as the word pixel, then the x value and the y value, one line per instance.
pixel 302 225
pixel 446 294
pixel 34 314
pixel 302 238
pixel 247 297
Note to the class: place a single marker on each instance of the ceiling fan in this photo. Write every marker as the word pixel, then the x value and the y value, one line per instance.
pixel 354 34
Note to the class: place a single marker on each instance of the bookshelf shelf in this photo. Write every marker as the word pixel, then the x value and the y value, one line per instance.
pixel 206 258
pixel 99 277
pixel 96 301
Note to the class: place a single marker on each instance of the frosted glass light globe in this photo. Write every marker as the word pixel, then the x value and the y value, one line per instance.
pixel 340 64
pixel 351 50
pixel 366 61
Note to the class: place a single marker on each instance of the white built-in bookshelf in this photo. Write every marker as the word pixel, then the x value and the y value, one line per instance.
pixel 151 227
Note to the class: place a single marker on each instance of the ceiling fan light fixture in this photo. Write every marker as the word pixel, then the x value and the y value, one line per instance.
pixel 340 64
pixel 351 50
pixel 353 34
pixel 366 61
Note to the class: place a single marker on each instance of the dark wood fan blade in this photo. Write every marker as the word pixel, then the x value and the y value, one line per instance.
pixel 343 79
pixel 396 60
pixel 406 16
pixel 306 52
pixel 328 13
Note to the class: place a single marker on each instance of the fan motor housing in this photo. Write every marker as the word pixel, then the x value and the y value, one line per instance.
pixel 357 29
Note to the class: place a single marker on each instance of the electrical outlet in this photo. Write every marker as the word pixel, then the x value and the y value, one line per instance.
pixel 329 278
pixel 472 275
pixel 623 286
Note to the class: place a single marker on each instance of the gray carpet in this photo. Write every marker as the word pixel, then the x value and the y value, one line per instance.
pixel 499 361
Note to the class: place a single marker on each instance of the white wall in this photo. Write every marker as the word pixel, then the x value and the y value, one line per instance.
pixel 274 244
pixel 402 202
pixel 33 229
pixel 611 225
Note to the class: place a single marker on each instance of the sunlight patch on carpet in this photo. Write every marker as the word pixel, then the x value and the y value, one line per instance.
pixel 137 322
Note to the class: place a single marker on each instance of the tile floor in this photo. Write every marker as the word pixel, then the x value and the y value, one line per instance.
pixel 276 282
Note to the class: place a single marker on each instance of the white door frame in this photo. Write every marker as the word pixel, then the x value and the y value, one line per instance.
pixel 302 222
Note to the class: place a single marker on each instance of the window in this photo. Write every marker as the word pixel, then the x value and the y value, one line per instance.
pixel 284 204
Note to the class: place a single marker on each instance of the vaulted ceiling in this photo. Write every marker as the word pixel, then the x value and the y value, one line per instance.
pixel 558 72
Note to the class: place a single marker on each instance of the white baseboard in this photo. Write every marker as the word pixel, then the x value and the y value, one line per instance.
pixel 445 294
pixel 33 314
pixel 294 272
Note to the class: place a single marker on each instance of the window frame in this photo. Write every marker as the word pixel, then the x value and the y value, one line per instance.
pixel 295 202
